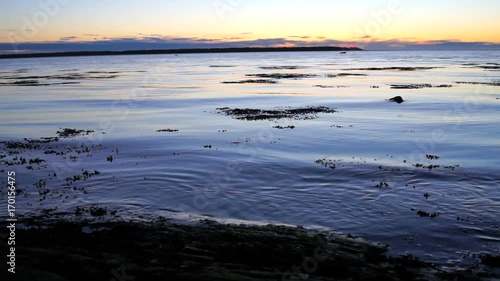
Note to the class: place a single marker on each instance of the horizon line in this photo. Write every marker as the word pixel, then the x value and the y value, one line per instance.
pixel 180 51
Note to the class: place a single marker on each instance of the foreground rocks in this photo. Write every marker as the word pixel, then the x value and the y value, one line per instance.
pixel 160 250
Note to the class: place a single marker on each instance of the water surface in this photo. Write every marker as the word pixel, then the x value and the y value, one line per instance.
pixel 218 167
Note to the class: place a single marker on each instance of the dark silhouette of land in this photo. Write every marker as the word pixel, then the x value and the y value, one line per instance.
pixel 179 51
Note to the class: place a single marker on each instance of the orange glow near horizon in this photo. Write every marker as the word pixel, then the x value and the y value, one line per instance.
pixel 294 21
pixel 355 35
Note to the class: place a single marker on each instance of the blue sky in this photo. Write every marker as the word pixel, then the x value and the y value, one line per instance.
pixel 75 25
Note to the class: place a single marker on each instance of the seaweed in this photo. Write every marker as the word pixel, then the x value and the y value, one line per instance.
pixel 251 114
pixel 287 67
pixel 283 75
pixel 284 127
pixel 167 131
pixel 48 80
pixel 488 67
pixel 495 83
pixel 419 86
pixel 71 133
pixel 346 74
pixel 397 68
pixel 252 81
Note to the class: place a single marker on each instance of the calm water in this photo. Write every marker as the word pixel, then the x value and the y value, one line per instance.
pixel 254 172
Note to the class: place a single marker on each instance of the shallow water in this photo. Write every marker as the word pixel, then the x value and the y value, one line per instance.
pixel 254 172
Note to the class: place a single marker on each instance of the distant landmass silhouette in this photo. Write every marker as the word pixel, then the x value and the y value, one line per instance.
pixel 181 51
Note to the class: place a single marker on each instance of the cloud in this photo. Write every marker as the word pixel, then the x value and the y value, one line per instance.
pixel 157 41
pixel 67 38
pixel 438 45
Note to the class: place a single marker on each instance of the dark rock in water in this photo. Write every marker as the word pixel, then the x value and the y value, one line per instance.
pixel 491 261
pixel 397 99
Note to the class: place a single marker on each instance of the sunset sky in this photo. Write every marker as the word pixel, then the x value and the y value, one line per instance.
pixel 68 25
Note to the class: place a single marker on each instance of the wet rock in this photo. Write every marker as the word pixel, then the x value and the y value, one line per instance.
pixel 160 250
pixel 491 261
pixel 397 99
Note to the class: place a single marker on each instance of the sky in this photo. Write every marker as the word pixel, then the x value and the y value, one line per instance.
pixel 91 25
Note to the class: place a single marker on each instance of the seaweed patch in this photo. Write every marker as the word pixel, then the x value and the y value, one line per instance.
pixel 251 114
pixel 252 81
pixel 283 75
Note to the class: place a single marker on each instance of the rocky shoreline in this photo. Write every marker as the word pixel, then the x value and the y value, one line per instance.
pixel 162 250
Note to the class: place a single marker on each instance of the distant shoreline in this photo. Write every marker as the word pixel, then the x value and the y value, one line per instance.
pixel 178 51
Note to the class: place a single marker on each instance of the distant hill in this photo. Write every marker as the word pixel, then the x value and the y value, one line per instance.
pixel 179 51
